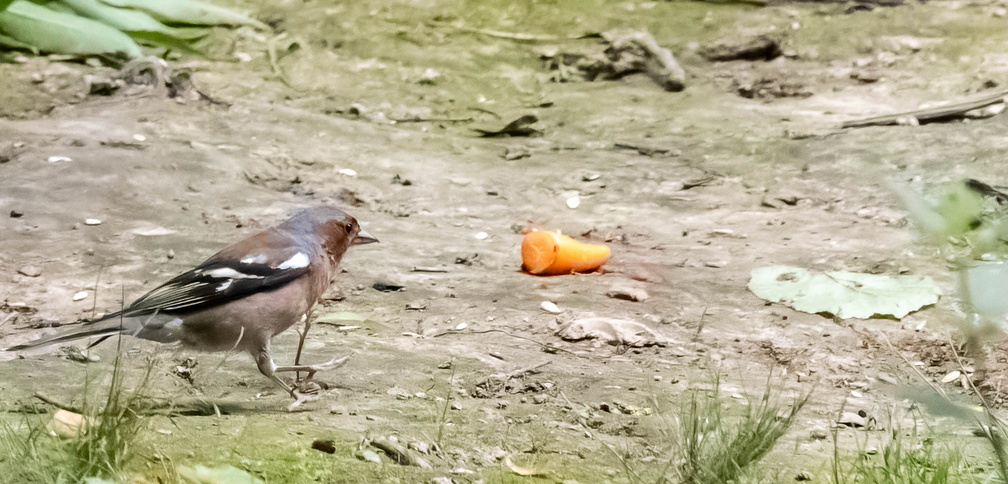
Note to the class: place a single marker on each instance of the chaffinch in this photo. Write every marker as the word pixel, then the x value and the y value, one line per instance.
pixel 242 296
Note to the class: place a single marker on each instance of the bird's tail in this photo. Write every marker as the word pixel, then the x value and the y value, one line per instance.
pixel 105 327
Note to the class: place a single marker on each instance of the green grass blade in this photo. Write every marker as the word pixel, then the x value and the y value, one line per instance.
pixel 188 12
pixel 4 4
pixel 60 33
pixel 15 44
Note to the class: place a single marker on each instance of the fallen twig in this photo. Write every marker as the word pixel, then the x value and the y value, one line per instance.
pixel 545 346
pixel 937 113
pixel 431 120
pixel 520 37
pixel 57 404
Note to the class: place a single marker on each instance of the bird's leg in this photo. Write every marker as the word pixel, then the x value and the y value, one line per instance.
pixel 264 360
pixel 268 367
pixel 304 334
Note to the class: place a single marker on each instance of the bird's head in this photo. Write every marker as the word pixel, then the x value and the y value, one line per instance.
pixel 337 229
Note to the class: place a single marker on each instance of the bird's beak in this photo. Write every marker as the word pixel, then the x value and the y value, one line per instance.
pixel 363 238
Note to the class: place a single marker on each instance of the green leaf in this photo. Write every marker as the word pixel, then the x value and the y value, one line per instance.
pixel 4 4
pixel 339 317
pixel 227 474
pixel 61 33
pixel 843 294
pixel 130 21
pixel 188 12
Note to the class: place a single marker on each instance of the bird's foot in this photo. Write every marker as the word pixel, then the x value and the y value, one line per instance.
pixel 327 366
pixel 300 398
pixel 313 369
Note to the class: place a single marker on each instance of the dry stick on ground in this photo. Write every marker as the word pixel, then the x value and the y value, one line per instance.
pixel 506 377
pixel 511 35
pixel 936 113
pixel 56 403
pixel 544 345
pixel 920 375
pixel 431 120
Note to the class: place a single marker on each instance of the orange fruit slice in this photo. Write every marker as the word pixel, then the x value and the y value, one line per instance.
pixel 547 253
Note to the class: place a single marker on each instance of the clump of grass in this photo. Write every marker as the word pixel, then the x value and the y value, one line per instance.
pixel 715 447
pixel 900 461
pixel 718 449
pixel 108 445
pixel 103 449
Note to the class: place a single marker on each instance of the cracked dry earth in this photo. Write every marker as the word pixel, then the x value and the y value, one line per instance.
pixel 691 191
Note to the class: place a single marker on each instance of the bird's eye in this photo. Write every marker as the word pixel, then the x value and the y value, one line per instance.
pixel 349 228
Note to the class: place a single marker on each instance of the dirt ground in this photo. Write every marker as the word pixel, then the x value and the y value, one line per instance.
pixel 392 91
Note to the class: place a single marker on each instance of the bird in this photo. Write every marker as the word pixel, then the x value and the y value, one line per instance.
pixel 242 296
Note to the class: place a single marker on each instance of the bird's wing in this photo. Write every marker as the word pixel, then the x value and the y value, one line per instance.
pixel 231 274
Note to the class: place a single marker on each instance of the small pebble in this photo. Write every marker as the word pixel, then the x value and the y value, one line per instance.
pixel 30 271
pixel 951 377
pixel 92 221
pixel 16 214
pixel 347 172
pixel 369 456
pixel 461 326
pixel 574 202
pixel 852 419
pixel 539 398
pixel 171 254
pixel 456 406
pixel 80 296
pixel 59 159
pixel 421 447
pixel 139 137
pixel 481 236
pixel 550 307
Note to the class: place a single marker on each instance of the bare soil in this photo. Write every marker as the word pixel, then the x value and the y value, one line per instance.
pixel 392 91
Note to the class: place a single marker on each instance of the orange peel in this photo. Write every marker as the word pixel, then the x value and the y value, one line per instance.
pixel 546 253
